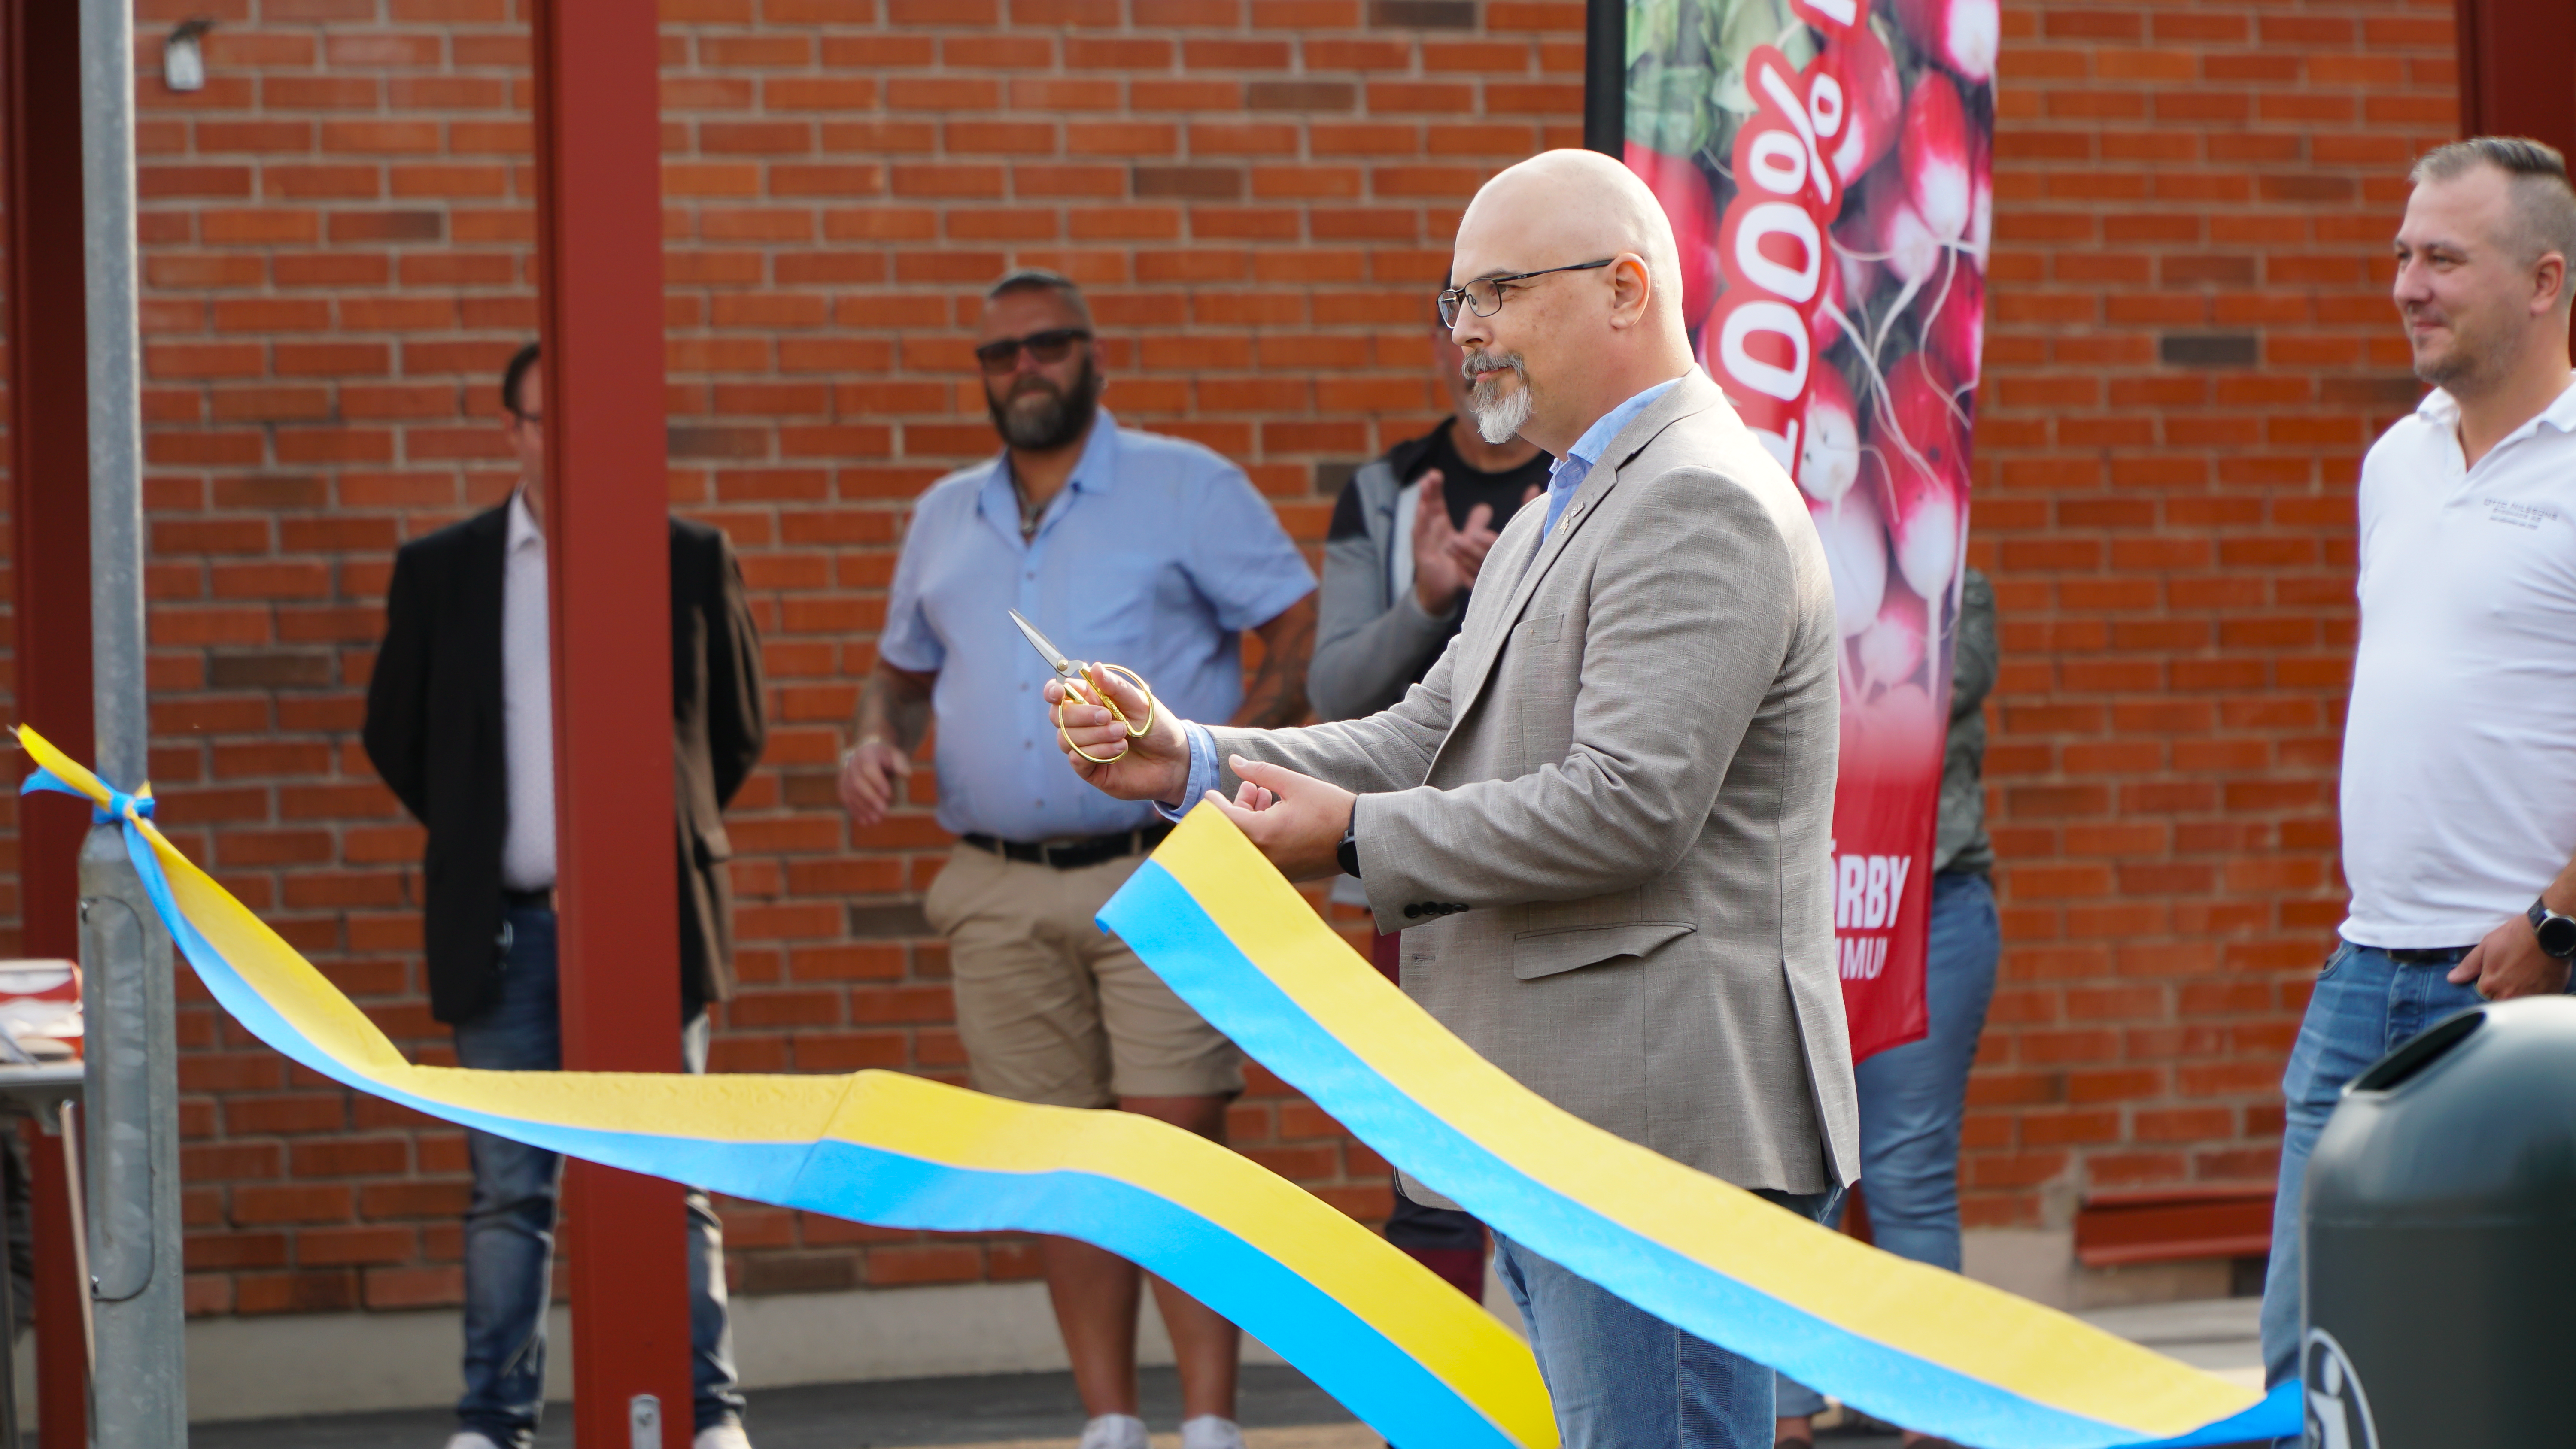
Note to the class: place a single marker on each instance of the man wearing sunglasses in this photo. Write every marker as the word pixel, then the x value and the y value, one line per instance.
pixel 1126 547
pixel 1602 820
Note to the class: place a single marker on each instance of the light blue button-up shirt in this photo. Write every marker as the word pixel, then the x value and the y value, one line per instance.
pixel 1157 554
pixel 1564 476
pixel 1568 472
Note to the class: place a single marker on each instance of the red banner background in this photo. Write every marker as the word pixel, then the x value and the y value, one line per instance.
pixel 1825 165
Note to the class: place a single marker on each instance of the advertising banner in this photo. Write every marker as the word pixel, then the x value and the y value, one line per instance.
pixel 1825 164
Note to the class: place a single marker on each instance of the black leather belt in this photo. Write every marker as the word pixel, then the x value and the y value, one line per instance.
pixel 540 899
pixel 2436 956
pixel 1074 854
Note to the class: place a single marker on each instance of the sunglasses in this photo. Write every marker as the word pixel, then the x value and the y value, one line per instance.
pixel 1003 354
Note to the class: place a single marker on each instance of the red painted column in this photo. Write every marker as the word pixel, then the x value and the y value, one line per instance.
pixel 599 210
pixel 49 559
pixel 2518 70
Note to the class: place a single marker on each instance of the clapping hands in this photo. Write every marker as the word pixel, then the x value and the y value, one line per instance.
pixel 1447 557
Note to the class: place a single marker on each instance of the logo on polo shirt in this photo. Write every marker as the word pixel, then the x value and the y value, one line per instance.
pixel 2526 516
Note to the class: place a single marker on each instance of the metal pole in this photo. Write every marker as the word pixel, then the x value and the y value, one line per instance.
pixel 599 297
pixel 67 1123
pixel 1605 77
pixel 132 1101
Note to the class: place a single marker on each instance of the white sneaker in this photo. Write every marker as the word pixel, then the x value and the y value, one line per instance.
pixel 722 1436
pixel 1208 1431
pixel 471 1440
pixel 1114 1431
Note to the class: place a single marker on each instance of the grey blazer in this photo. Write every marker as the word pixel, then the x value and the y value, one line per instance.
pixel 1603 820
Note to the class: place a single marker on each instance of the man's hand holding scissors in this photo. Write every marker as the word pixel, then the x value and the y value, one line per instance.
pixel 1295 820
pixel 1151 766
pixel 1124 743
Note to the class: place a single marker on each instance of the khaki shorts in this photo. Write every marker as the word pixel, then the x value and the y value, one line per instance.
pixel 1055 1010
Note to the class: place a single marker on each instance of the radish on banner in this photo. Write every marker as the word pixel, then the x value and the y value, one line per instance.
pixel 1825 166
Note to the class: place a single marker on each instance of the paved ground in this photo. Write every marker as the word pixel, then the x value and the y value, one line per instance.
pixel 1280 1409
pixel 993 1409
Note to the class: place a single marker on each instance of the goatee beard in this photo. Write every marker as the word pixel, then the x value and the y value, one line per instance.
pixel 1499 419
pixel 1039 419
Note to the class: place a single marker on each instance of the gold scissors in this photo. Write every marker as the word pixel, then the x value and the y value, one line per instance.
pixel 1074 671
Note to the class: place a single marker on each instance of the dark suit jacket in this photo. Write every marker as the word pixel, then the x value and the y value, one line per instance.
pixel 434 731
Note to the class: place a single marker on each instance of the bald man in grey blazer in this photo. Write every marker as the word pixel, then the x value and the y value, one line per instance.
pixel 1603 819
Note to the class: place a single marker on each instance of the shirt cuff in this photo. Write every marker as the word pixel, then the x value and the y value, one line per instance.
pixel 1202 772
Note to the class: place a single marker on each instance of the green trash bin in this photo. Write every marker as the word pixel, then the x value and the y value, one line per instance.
pixel 2440 1231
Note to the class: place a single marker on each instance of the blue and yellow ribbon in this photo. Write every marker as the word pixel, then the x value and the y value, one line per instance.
pixel 1396 1345
pixel 1399 1348
pixel 1908 1344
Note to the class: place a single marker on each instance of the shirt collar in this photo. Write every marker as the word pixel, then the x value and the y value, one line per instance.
pixel 2562 413
pixel 1093 472
pixel 1098 466
pixel 523 524
pixel 2443 410
pixel 1600 435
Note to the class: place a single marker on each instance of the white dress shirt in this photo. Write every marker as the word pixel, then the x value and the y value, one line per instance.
pixel 527 706
pixel 2459 753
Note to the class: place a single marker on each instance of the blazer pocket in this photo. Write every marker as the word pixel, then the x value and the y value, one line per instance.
pixel 1567 948
pixel 1545 629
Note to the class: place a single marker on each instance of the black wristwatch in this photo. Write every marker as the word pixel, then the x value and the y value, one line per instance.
pixel 1349 853
pixel 2556 933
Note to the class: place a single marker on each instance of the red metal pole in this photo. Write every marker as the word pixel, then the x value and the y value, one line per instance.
pixel 49 558
pixel 2518 70
pixel 599 248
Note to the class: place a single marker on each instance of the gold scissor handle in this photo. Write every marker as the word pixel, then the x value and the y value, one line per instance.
pixel 1135 731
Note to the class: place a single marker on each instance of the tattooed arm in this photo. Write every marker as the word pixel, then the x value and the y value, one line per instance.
pixel 1277 696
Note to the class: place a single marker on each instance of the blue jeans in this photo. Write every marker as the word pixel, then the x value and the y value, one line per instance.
pixel 1913 1097
pixel 2364 1007
pixel 1622 1378
pixel 509 1228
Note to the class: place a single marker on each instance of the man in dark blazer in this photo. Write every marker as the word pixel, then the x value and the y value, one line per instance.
pixel 460 725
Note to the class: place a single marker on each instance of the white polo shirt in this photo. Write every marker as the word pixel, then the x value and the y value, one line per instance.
pixel 2459 753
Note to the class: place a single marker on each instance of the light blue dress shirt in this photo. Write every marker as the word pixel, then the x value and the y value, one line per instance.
pixel 1564 476
pixel 1568 472
pixel 1156 555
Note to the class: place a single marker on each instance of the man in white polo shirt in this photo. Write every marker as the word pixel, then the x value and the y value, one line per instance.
pixel 2459 759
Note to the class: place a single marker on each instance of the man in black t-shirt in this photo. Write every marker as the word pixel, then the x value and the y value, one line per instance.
pixel 1409 533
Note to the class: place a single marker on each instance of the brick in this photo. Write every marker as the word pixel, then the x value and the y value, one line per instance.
pixel 1203 183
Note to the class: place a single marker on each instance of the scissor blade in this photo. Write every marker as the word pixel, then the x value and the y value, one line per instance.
pixel 1054 657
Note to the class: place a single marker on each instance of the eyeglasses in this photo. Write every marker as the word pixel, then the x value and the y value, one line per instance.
pixel 1484 296
pixel 1053 345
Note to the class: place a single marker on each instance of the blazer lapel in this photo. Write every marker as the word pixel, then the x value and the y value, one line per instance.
pixel 478 606
pixel 1693 394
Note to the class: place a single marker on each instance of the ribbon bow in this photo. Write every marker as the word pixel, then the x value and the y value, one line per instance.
pixel 57 774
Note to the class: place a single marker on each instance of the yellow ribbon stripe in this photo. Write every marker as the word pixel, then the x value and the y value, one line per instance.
pixel 1397 1346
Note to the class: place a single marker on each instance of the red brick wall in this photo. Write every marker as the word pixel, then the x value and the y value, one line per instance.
pixel 337 238
pixel 2171 543
pixel 1259 192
